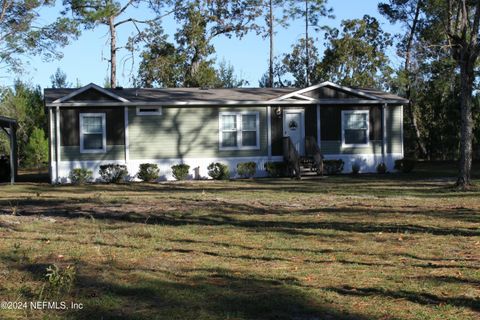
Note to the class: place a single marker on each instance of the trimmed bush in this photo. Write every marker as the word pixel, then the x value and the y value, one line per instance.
pixel 246 169
pixel 355 168
pixel 405 165
pixel 332 167
pixel 148 172
pixel 80 176
pixel 218 171
pixel 276 169
pixel 180 171
pixel 113 173
pixel 382 168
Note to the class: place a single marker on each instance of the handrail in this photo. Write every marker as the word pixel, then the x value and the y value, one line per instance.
pixel 291 156
pixel 313 150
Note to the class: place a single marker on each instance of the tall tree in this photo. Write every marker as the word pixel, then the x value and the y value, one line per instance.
pixel 227 78
pixel 204 20
pixel 410 14
pixel 356 55
pixel 112 14
pixel 295 63
pixel 59 79
pixel 310 11
pixel 460 20
pixel 22 32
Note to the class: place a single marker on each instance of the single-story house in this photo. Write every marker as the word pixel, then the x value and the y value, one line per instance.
pixel 91 126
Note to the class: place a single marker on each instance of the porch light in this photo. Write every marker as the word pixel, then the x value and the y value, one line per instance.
pixel 278 111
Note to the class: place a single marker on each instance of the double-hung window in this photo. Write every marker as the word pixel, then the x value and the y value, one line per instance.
pixel 239 130
pixel 93 133
pixel 355 127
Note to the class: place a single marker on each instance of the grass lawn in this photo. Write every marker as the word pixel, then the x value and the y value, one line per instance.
pixel 365 247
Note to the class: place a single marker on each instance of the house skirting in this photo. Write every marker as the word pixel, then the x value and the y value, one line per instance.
pixel 198 166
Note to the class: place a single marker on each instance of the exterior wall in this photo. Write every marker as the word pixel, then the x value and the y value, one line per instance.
pixel 181 133
pixel 191 135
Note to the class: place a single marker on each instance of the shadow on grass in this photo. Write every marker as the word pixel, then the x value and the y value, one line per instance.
pixel 206 293
pixel 213 294
pixel 416 297
pixel 219 213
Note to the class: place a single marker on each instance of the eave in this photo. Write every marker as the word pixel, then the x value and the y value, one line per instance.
pixel 228 103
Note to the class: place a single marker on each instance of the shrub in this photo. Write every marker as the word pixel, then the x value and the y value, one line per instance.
pixel 247 169
pixel 180 171
pixel 276 169
pixel 59 281
pixel 355 168
pixel 382 168
pixel 113 173
pixel 405 165
pixel 80 176
pixel 218 171
pixel 148 172
pixel 333 166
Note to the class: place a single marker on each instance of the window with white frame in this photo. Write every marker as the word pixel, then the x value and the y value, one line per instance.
pixel 239 130
pixel 355 127
pixel 93 137
pixel 145 111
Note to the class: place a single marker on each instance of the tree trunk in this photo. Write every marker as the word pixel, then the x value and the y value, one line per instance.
pixel 307 62
pixel 408 89
pixel 270 31
pixel 113 52
pixel 466 80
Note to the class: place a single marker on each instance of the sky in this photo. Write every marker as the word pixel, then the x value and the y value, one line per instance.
pixel 85 59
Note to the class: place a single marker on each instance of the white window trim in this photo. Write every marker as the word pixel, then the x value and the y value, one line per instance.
pixel 149 113
pixel 104 133
pixel 344 113
pixel 239 130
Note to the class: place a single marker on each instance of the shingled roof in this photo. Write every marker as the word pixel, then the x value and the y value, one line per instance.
pixel 199 96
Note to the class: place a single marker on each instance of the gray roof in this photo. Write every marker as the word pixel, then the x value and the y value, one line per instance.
pixel 199 96
pixel 184 94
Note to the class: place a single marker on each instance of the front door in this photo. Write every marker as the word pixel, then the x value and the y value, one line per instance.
pixel 293 127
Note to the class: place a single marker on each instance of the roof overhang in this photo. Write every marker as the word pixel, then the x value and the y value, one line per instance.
pixel 229 103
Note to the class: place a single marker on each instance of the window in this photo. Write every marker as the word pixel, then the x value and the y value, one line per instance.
pixel 146 111
pixel 239 130
pixel 92 133
pixel 355 128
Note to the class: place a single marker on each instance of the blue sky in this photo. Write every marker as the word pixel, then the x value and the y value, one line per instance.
pixel 86 58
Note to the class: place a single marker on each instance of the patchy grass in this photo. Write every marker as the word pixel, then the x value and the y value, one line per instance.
pixel 344 247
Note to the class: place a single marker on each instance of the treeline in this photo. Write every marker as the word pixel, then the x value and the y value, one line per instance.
pixel 438 50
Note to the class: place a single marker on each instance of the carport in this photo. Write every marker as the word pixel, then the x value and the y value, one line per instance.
pixel 9 125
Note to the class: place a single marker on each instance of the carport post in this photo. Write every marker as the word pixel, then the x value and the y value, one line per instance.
pixel 12 154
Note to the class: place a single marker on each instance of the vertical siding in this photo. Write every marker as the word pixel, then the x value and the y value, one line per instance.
pixel 394 129
pixel 186 133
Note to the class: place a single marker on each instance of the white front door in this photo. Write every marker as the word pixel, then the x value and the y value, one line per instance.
pixel 293 127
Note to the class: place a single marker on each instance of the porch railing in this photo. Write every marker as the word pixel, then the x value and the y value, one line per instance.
pixel 291 157
pixel 312 150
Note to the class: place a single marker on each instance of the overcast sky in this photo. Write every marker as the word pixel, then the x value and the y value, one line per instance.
pixel 86 58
